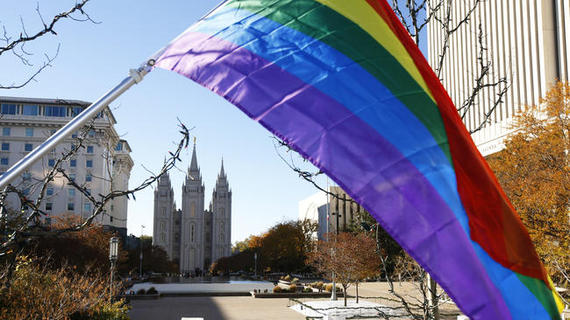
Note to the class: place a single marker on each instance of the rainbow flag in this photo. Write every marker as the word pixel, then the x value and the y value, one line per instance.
pixel 343 84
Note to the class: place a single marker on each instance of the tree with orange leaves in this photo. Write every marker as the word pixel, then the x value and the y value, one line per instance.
pixel 534 172
pixel 352 258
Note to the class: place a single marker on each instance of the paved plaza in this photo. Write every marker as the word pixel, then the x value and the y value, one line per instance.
pixel 246 307
pixel 213 308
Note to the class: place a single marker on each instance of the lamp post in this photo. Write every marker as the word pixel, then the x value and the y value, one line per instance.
pixel 141 255
pixel 113 255
pixel 333 294
pixel 255 258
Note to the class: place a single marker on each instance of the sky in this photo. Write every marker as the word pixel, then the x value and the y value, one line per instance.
pixel 93 58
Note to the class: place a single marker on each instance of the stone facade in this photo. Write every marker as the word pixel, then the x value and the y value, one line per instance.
pixel 529 43
pixel 103 165
pixel 194 236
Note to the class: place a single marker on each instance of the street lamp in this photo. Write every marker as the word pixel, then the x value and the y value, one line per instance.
pixel 113 255
pixel 333 294
pixel 141 256
pixel 255 258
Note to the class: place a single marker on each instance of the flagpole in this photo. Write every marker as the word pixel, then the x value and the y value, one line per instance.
pixel 135 76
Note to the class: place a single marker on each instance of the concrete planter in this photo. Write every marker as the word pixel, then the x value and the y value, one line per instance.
pixel 294 295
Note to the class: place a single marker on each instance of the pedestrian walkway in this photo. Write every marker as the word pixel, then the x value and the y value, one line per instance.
pixel 207 288
pixel 213 308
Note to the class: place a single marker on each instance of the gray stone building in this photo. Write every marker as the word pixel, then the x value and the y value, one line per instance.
pixel 102 166
pixel 193 235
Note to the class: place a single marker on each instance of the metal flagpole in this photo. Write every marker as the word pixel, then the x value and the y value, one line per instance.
pixel 135 76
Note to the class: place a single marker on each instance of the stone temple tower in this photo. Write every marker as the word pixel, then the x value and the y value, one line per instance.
pixel 220 208
pixel 192 219
pixel 164 217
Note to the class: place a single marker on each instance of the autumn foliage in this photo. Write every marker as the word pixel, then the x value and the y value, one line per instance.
pixel 83 250
pixel 534 172
pixel 283 248
pixel 45 292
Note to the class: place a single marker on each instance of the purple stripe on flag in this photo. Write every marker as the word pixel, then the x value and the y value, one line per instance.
pixel 352 153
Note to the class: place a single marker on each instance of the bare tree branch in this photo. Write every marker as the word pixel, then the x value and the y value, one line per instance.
pixel 31 227
pixel 16 45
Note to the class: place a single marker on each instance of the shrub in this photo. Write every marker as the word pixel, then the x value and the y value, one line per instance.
pixel 277 289
pixel 320 285
pixel 329 286
pixel 295 280
pixel 141 291
pixel 151 290
pixel 40 292
pixel 293 288
pixel 307 289
pixel 287 278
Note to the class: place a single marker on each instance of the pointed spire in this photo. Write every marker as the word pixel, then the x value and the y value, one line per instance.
pixel 222 173
pixel 194 162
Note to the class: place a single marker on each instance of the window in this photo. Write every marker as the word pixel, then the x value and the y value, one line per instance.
pixel 51 162
pixel 28 147
pixel 73 163
pixel 5 146
pixel 88 177
pixel 75 111
pixel 55 111
pixel 4 161
pixel 72 176
pixel 6 132
pixel 89 163
pixel 87 207
pixel 48 221
pixel 89 149
pixel 70 206
pixel 8 108
pixel 119 146
pixel 26 191
pixel 49 206
pixel 30 110
pixel 91 133
pixel 112 208
pixel 49 191
pixel 26 176
pixel 88 191
pixel 74 135
pixel 71 192
pixel 29 132
pixel 111 218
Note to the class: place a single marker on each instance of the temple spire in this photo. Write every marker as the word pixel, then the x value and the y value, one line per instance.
pixel 194 162
pixel 222 173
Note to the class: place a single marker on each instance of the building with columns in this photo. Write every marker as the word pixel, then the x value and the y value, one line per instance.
pixel 528 42
pixel 193 235
pixel 104 165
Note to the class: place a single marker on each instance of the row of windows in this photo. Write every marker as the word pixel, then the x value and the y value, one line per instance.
pixel 70 206
pixel 7 131
pixel 4 161
pixel 38 110
pixel 29 147
pixel 70 192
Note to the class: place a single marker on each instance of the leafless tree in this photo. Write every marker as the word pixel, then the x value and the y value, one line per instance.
pixel 15 43
pixel 19 227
